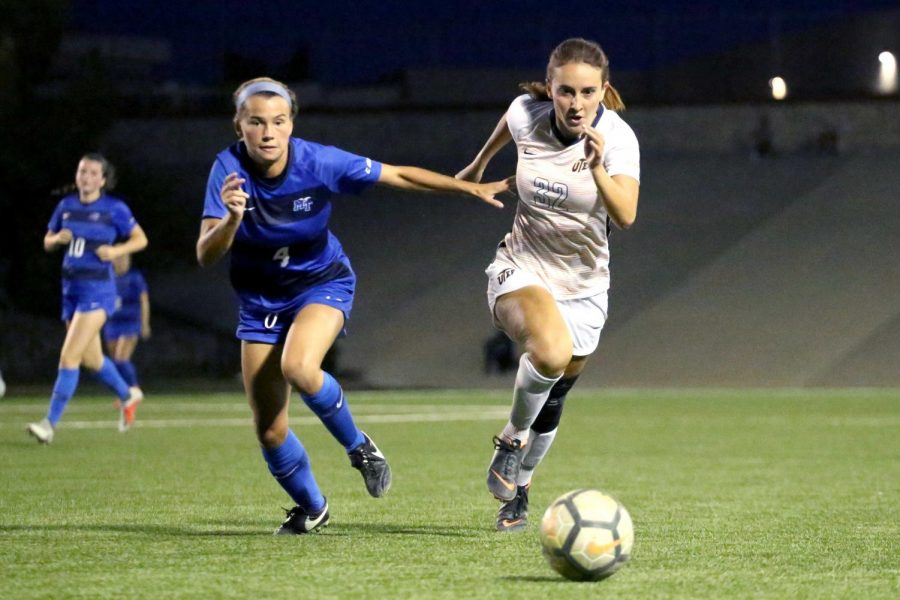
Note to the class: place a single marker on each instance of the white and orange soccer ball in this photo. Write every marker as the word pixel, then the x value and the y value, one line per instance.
pixel 586 535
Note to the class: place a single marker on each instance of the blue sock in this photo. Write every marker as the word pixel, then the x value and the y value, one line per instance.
pixel 289 463
pixel 127 371
pixel 63 390
pixel 331 407
pixel 109 375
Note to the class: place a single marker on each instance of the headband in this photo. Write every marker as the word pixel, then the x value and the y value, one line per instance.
pixel 262 87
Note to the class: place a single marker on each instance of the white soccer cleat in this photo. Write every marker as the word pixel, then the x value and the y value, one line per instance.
pixel 42 431
pixel 129 408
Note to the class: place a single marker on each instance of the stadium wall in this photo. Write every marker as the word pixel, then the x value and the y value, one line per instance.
pixel 737 202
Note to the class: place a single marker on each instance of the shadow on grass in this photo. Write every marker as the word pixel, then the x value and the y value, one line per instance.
pixel 539 579
pixel 241 528
pixel 345 528
pixel 147 529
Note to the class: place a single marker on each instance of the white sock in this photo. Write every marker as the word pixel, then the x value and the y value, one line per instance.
pixel 540 445
pixel 529 395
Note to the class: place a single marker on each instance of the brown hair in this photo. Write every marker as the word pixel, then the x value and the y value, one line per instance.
pixel 577 50
pixel 237 93
pixel 109 171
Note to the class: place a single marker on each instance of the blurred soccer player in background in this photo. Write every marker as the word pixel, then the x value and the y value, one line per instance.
pixel 128 324
pixel 95 229
pixel 578 169
pixel 268 202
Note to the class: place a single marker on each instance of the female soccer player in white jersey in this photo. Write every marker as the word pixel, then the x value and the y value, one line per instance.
pixel 578 169
pixel 268 202
pixel 94 228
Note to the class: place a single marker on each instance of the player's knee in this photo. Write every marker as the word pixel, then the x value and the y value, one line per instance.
pixel 303 374
pixel 551 356
pixel 271 435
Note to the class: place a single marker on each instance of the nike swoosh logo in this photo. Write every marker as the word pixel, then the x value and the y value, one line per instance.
pixel 506 484
pixel 508 523
pixel 340 402
pixel 249 208
pixel 529 152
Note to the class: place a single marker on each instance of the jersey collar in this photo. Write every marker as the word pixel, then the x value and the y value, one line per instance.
pixel 567 141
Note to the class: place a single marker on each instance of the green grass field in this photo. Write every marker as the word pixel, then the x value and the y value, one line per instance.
pixel 734 494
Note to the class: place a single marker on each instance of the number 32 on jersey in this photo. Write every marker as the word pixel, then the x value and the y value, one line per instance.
pixel 550 193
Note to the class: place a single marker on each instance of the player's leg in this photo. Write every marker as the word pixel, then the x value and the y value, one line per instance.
pixel 513 514
pixel 268 393
pixel 105 370
pixel 312 333
pixel 120 350
pixel 81 331
pixel 544 428
pixel 529 316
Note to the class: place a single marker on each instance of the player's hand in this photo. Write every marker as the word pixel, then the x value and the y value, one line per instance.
pixel 593 146
pixel 233 197
pixel 64 236
pixel 107 253
pixel 487 191
pixel 471 173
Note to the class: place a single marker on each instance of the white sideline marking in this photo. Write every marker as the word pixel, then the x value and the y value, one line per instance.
pixel 494 413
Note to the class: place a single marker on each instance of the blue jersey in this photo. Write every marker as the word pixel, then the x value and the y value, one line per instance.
pixel 283 246
pixel 105 221
pixel 129 287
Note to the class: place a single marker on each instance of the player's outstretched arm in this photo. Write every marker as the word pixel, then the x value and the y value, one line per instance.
pixel 417 179
pixel 499 138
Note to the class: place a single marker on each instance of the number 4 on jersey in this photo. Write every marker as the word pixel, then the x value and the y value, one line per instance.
pixel 283 254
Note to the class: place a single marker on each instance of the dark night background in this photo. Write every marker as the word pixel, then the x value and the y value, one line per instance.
pixel 76 74
pixel 349 42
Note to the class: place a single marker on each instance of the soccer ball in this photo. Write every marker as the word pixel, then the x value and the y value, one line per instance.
pixel 586 535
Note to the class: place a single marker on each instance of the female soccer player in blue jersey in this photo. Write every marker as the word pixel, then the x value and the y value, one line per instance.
pixel 94 228
pixel 268 201
pixel 127 325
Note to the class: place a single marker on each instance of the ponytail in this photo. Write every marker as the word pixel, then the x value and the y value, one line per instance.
pixel 613 100
pixel 536 89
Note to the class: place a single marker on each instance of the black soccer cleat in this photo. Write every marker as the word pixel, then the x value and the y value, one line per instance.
pixel 298 522
pixel 504 468
pixel 376 472
pixel 513 515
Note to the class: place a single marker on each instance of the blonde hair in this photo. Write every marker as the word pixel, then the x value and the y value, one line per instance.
pixel 577 50
pixel 238 111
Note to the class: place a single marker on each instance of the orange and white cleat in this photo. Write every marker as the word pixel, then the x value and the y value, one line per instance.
pixel 513 515
pixel 129 408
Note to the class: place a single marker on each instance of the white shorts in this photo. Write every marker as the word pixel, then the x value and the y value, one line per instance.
pixel 585 317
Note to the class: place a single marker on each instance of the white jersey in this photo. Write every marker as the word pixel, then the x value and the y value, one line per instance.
pixel 560 229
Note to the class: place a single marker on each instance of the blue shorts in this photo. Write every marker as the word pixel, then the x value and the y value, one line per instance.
pixel 115 329
pixel 73 303
pixel 260 325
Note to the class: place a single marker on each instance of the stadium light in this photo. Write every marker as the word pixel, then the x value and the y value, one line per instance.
pixel 779 88
pixel 887 76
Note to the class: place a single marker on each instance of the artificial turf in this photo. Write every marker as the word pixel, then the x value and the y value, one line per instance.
pixel 734 494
